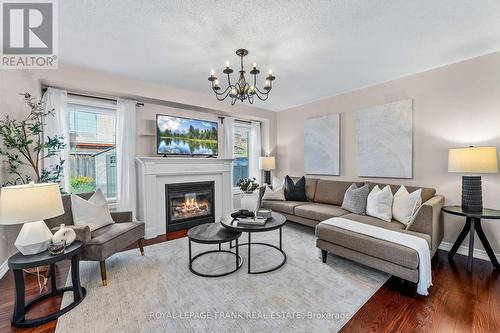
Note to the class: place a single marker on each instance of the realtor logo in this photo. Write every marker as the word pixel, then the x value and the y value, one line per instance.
pixel 29 34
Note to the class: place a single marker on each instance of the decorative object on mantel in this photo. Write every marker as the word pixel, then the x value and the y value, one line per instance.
pixel 27 149
pixel 322 145
pixel 65 234
pixel 385 140
pixel 472 160
pixel 44 203
pixel 249 199
pixel 241 90
pixel 267 163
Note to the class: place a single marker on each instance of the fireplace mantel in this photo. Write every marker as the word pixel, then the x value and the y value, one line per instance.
pixel 153 173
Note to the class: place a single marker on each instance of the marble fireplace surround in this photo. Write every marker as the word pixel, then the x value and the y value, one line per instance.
pixel 153 173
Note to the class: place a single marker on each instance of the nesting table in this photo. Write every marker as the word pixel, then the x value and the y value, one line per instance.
pixel 276 222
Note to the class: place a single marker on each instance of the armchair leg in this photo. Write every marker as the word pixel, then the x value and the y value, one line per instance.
pixel 141 246
pixel 102 263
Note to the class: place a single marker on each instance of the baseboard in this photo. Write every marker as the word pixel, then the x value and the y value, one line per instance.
pixel 464 250
pixel 4 268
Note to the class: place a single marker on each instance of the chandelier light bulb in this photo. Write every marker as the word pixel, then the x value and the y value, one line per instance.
pixel 267 82
pixel 270 72
pixel 254 65
pixel 227 64
pixel 233 91
pixel 216 82
pixel 212 72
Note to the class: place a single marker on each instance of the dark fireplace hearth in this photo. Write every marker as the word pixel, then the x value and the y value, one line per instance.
pixel 189 204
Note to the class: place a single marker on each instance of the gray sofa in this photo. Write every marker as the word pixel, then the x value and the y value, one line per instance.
pixel 102 243
pixel 324 201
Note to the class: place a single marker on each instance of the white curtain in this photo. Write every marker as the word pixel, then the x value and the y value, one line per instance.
pixel 57 125
pixel 228 137
pixel 125 154
pixel 254 151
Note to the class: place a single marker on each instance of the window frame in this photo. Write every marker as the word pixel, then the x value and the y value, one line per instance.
pixel 246 125
pixel 95 106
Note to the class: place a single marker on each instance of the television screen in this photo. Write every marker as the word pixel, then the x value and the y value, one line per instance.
pixel 183 136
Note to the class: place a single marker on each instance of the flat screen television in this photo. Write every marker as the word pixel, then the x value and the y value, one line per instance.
pixel 185 136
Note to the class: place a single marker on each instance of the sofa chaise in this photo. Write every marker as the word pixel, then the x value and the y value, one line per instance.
pixel 325 199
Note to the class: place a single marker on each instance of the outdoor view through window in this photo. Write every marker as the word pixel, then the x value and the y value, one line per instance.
pixel 92 149
pixel 240 164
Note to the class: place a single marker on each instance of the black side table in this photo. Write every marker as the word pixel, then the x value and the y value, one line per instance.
pixel 473 222
pixel 18 262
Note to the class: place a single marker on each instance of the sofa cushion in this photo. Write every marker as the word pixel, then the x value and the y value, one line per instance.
pixel 427 192
pixel 392 252
pixel 319 212
pixel 282 206
pixel 331 191
pixel 355 199
pixel 310 186
pixel 374 221
pixel 295 190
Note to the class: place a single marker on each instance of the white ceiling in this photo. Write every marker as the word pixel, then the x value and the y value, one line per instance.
pixel 315 48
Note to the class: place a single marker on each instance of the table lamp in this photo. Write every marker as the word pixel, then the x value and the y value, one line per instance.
pixel 267 163
pixel 472 160
pixel 30 205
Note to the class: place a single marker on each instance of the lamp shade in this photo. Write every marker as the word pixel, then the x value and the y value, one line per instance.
pixel 267 163
pixel 473 160
pixel 29 203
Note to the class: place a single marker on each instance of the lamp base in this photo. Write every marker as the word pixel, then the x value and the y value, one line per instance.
pixel 267 177
pixel 472 197
pixel 33 238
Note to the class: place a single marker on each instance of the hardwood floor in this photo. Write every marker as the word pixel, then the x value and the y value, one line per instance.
pixel 458 301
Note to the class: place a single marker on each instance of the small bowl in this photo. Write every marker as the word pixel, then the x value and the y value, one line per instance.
pixel 57 247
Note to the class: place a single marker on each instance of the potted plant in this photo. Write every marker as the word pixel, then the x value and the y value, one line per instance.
pixel 249 198
pixel 26 149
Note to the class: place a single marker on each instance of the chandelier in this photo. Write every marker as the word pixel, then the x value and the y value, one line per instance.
pixel 241 89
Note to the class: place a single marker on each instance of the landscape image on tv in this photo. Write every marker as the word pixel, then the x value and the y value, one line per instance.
pixel 183 136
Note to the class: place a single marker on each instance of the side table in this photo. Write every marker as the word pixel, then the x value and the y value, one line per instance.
pixel 473 223
pixel 18 262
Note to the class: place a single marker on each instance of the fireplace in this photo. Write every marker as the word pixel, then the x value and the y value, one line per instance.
pixel 189 204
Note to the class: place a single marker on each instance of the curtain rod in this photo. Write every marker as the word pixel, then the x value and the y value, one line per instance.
pixel 93 96
pixel 239 120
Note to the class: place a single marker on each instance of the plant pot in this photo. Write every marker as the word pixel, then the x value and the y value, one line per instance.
pixel 250 201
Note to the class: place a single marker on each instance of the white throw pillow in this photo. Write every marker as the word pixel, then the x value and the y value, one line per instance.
pixel 277 182
pixel 277 194
pixel 379 203
pixel 405 204
pixel 93 212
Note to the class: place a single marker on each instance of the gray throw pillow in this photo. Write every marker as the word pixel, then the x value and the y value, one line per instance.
pixel 355 199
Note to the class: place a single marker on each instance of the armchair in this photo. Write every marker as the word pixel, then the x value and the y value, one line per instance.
pixel 103 242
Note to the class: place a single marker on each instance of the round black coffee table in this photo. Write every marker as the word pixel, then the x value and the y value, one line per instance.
pixel 18 262
pixel 213 233
pixel 277 221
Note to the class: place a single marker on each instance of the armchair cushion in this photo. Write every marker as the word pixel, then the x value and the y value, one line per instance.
pixel 112 238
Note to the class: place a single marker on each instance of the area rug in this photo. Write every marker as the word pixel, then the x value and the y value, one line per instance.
pixel 158 293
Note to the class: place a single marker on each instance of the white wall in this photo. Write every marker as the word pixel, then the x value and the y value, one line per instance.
pixel 158 99
pixel 456 105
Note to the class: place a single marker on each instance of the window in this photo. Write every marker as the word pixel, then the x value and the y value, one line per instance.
pixel 92 148
pixel 241 141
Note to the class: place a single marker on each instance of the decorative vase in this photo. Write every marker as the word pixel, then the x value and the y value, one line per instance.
pixel 250 201
pixel 64 234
